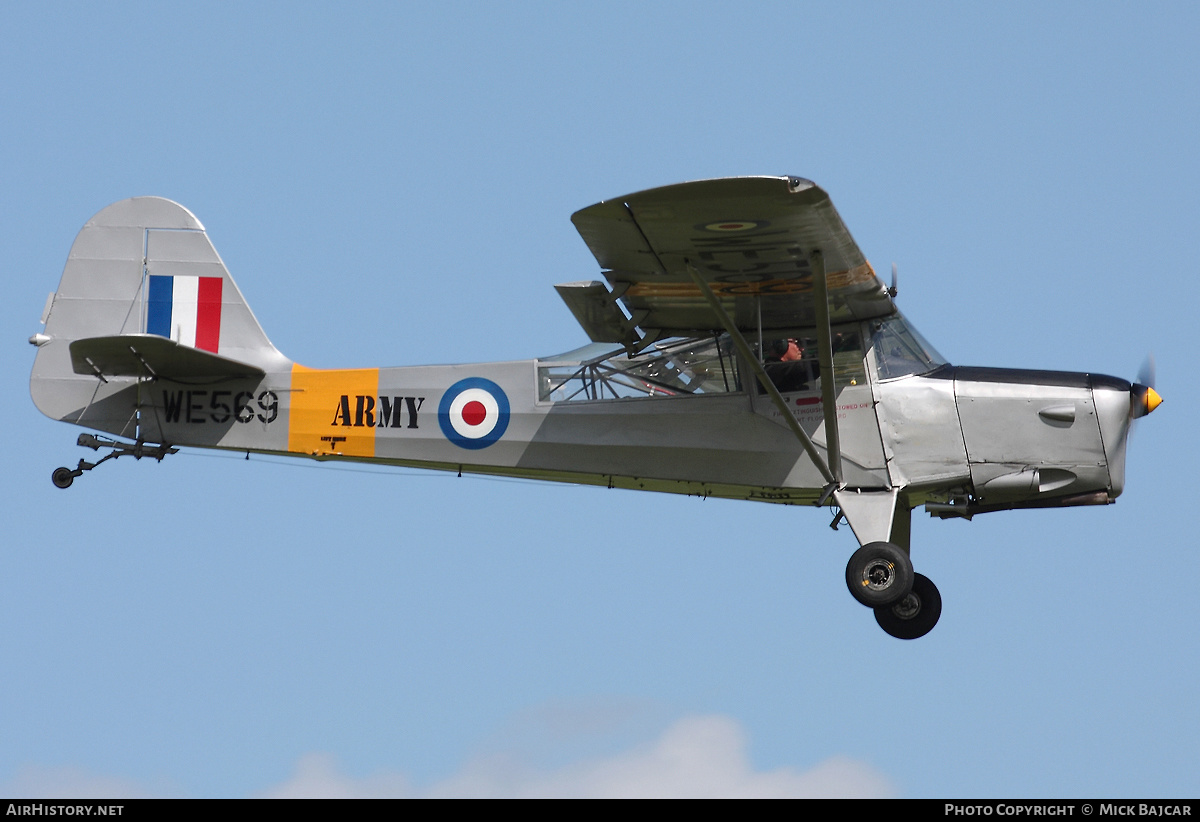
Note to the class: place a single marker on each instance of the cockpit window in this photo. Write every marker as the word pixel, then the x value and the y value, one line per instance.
pixel 900 350
pixel 704 365
pixel 792 362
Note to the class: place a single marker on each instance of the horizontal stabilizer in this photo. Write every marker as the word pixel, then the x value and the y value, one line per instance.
pixel 148 355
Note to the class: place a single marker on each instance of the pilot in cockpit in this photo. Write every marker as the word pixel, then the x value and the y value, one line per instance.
pixel 785 365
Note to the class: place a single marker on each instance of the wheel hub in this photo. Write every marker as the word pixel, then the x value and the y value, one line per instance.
pixel 879 575
pixel 908 607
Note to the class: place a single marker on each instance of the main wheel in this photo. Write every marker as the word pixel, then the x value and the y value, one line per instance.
pixel 62 477
pixel 879 574
pixel 916 614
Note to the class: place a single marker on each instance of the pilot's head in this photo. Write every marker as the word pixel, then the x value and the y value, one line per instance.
pixel 777 350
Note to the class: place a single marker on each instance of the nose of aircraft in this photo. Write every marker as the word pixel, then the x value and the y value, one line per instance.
pixel 1118 404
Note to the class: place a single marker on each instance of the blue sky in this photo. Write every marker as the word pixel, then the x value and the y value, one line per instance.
pixel 391 184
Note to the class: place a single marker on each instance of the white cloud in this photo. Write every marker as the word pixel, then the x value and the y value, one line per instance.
pixel 699 756
pixel 317 777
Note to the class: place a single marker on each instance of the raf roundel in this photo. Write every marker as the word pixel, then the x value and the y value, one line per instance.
pixel 725 226
pixel 473 413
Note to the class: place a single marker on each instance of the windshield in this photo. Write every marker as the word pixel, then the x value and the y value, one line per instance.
pixel 900 350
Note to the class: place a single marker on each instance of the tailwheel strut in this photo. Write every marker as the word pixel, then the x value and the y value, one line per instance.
pixel 63 477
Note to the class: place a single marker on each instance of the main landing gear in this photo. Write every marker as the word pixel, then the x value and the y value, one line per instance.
pixel 63 477
pixel 906 604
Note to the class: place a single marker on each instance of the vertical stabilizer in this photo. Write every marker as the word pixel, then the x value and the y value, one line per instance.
pixel 143 266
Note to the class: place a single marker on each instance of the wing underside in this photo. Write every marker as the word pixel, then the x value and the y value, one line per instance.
pixel 750 239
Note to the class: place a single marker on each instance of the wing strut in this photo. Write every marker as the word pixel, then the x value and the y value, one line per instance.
pixel 748 355
pixel 816 261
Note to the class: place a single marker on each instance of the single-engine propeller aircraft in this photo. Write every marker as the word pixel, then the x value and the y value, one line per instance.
pixel 742 347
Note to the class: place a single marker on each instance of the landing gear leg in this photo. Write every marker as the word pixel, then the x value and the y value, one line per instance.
pixel 880 574
pixel 914 615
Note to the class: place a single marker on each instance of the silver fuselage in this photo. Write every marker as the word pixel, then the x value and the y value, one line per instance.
pixel 998 438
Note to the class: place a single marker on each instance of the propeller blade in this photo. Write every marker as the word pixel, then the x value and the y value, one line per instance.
pixel 1142 397
pixel 1146 373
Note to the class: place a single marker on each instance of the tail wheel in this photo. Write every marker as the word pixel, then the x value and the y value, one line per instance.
pixel 914 615
pixel 879 574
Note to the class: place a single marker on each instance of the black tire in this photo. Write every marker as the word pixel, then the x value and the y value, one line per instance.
pixel 879 574
pixel 62 477
pixel 916 614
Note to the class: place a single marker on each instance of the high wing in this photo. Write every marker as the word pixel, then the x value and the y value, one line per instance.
pixel 750 240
